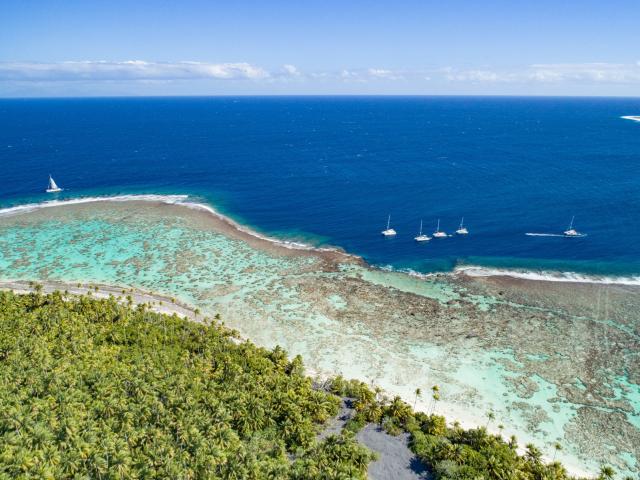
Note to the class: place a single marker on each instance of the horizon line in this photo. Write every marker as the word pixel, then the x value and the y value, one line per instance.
pixel 316 95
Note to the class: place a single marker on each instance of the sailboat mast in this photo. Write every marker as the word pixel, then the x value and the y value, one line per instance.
pixel 420 227
pixel 388 222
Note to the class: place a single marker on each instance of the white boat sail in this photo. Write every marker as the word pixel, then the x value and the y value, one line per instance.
pixel 438 233
pixel 52 188
pixel 462 230
pixel 421 237
pixel 389 232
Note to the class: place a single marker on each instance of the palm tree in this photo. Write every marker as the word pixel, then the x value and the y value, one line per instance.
pixel 377 390
pixel 435 393
pixel 418 393
pixel 490 417
pixel 436 397
pixel 606 473
pixel 556 448
pixel 533 454
pixel 398 409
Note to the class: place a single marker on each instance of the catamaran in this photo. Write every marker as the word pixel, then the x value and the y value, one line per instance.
pixel 572 232
pixel 421 237
pixel 438 233
pixel 389 232
pixel 53 188
pixel 462 230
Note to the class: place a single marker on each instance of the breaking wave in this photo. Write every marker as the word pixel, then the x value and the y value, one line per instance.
pixel 547 276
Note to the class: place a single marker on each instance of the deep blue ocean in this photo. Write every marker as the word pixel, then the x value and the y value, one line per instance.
pixel 328 170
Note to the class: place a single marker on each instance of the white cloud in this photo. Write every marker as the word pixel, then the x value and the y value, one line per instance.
pixel 382 73
pixel 595 73
pixel 560 77
pixel 291 70
pixel 128 70
pixel 369 74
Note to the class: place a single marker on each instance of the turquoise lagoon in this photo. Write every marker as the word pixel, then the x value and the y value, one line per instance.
pixel 548 373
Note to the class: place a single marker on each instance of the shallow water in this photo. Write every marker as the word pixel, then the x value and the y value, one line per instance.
pixel 330 170
pixel 551 365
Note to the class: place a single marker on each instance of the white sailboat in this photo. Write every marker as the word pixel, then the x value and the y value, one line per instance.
pixel 438 233
pixel 421 237
pixel 389 232
pixel 53 188
pixel 462 230
pixel 572 232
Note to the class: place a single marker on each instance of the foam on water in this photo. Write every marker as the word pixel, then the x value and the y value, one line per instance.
pixel 399 330
pixel 572 277
pixel 169 199
pixel 309 165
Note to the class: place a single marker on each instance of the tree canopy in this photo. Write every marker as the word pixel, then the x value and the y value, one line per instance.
pixel 96 389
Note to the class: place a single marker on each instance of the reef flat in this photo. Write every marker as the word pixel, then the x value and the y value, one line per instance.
pixel 553 361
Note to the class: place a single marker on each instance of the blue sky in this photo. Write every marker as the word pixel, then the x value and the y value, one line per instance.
pixel 191 47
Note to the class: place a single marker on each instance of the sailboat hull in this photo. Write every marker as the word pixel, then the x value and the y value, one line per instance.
pixel 53 190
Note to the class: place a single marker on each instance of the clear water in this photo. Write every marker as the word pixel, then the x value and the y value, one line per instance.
pixel 330 170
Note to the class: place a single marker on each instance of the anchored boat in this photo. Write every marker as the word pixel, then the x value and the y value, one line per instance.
pixel 389 232
pixel 438 233
pixel 421 237
pixel 462 230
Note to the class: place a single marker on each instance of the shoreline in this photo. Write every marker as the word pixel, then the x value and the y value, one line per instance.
pixel 156 302
pixel 163 304
pixel 332 254
pixel 403 296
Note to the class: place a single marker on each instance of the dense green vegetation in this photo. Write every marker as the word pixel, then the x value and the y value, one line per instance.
pixel 450 452
pixel 95 389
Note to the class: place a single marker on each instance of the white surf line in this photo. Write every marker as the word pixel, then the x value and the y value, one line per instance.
pixel 180 200
pixel 29 207
pixel 241 228
pixel 547 276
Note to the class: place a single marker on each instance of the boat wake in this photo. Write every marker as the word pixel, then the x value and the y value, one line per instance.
pixel 544 234
pixel 553 235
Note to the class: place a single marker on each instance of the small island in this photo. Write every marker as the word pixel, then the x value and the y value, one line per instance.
pixel 104 387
